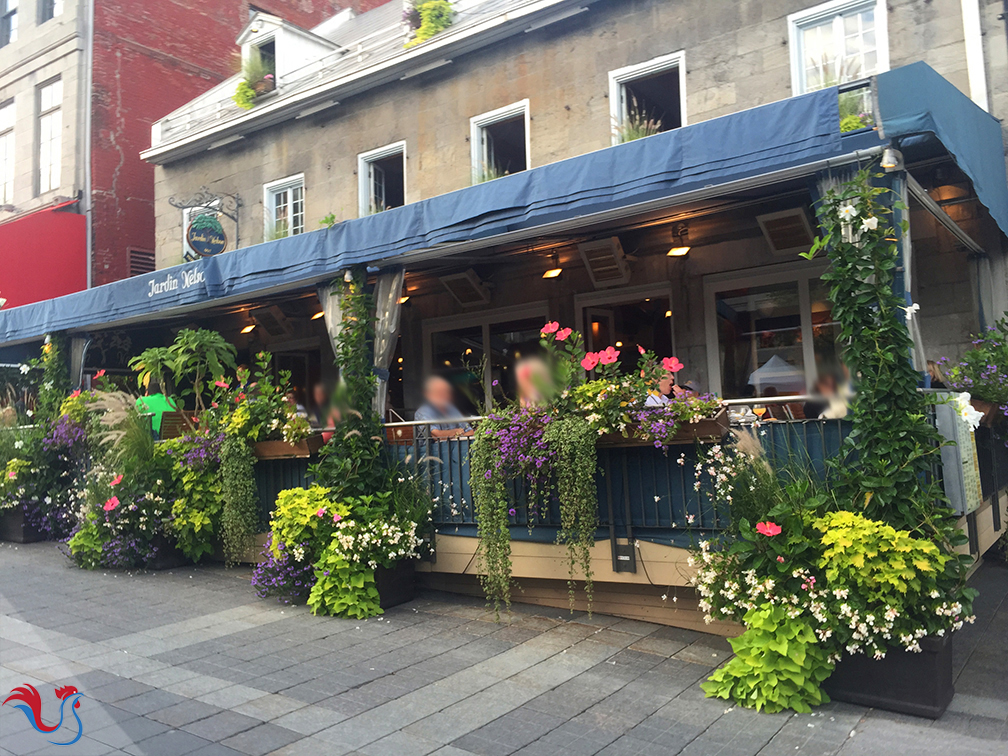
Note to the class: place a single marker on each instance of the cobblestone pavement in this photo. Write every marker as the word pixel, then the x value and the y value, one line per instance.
pixel 190 662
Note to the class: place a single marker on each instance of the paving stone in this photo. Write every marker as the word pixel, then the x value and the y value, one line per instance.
pixel 400 744
pixel 128 732
pixel 309 720
pixel 151 701
pixel 262 739
pixel 185 712
pixel 171 743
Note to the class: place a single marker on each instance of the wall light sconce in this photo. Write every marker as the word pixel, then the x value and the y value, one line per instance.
pixel 892 159
pixel 404 299
pixel 556 270
pixel 680 241
pixel 249 328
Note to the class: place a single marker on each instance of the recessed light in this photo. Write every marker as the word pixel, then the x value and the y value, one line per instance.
pixel 404 300
pixel 318 315
pixel 249 328
pixel 678 251
pixel 553 273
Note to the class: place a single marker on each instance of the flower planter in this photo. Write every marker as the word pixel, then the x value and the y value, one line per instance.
pixel 263 86
pixel 284 450
pixel 905 682
pixel 14 526
pixel 166 556
pixel 396 584
pixel 710 428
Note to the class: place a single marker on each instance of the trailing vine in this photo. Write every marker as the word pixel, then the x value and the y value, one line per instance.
pixel 55 383
pixel 240 516
pixel 886 469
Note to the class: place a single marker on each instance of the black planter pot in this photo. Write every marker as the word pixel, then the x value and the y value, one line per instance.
pixel 396 584
pixel 167 556
pixel 905 682
pixel 14 526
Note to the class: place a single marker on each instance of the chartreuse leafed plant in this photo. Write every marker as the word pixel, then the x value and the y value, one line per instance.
pixel 864 561
pixel 547 443
pixel 435 17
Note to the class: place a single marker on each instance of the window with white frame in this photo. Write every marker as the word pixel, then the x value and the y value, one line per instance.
pixel 770 332
pixel 283 202
pixel 837 42
pixel 648 98
pixel 500 142
pixel 50 136
pixel 381 177
pixel 7 152
pixel 8 21
pixel 49 9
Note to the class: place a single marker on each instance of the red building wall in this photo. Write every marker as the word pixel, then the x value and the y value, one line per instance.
pixel 53 240
pixel 151 57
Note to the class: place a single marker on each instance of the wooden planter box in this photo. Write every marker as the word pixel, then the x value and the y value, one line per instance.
pixel 263 86
pixel 283 450
pixel 168 557
pixel 905 682
pixel 396 585
pixel 15 527
pixel 709 429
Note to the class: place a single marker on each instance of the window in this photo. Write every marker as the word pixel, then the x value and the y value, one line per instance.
pixel 49 9
pixel 284 207
pixel 50 132
pixel 381 175
pixel 7 152
pixel 648 98
pixel 141 261
pixel 500 142
pixel 770 333
pixel 837 42
pixel 266 53
pixel 8 21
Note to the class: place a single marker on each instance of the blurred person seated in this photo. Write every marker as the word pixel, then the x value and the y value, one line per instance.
pixel 291 397
pixel 320 403
pixel 155 403
pixel 534 381
pixel 825 387
pixel 439 408
pixel 666 385
pixel 938 380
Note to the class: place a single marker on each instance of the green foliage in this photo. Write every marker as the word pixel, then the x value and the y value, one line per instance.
pixel 852 123
pixel 208 222
pixel 435 17
pixel 637 123
pixel 244 96
pixel 777 664
pixel 199 502
pixel 152 363
pixel 983 371
pixel 240 515
pixel 198 355
pixel 328 221
pixel 87 545
pixel 257 411
pixel 305 517
pixel 55 382
pixel 890 452
pixel 343 589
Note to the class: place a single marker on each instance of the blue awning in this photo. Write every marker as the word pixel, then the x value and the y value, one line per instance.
pixel 795 132
pixel 915 99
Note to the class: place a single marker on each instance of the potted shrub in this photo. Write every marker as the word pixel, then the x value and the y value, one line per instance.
pixel 983 373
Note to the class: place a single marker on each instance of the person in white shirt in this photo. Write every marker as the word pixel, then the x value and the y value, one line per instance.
pixel 660 398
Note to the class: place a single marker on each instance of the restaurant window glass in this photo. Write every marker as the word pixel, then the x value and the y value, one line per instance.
pixel 510 343
pixel 457 355
pixel 284 207
pixel 645 322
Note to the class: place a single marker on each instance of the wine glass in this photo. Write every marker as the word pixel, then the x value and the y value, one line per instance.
pixel 759 410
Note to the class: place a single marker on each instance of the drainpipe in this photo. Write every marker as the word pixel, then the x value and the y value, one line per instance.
pixel 88 195
pixel 976 68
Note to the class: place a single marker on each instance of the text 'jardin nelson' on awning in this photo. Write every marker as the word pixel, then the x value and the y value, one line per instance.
pixel 791 133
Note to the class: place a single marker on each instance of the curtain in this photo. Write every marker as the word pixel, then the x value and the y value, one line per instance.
pixel 78 353
pixel 387 311
pixel 332 310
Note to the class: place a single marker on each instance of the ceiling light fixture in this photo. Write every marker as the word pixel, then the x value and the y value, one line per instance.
pixel 249 328
pixel 556 270
pixel 892 159
pixel 680 241
pixel 318 315
pixel 404 299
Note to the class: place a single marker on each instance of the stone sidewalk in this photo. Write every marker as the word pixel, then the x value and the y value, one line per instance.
pixel 190 662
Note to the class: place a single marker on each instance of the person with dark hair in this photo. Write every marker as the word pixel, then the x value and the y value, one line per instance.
pixel 439 407
pixel 155 403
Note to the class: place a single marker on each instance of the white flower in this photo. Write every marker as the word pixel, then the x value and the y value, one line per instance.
pixel 869 224
pixel 967 411
pixel 911 310
pixel 848 211
pixel 18 444
pixel 24 369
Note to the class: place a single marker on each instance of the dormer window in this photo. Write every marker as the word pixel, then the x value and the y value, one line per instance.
pixel 266 54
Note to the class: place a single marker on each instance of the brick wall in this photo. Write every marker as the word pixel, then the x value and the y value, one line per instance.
pixel 151 57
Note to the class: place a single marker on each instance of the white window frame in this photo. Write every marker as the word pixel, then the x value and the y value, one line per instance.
pixel 798 21
pixel 619 77
pixel 800 273
pixel 365 162
pixel 57 10
pixel 480 122
pixel 9 13
pixel 485 319
pixel 7 153
pixel 270 190
pixel 53 179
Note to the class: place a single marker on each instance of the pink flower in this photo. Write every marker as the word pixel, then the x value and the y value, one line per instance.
pixel 111 504
pixel 641 349
pixel 100 373
pixel 116 480
pixel 768 528
pixel 551 327
pixel 12 475
pixel 221 383
pixel 590 361
pixel 320 512
pixel 214 405
pixel 780 559
pixel 563 333
pixel 337 517
pixel 75 394
pixel 672 364
pixel 609 356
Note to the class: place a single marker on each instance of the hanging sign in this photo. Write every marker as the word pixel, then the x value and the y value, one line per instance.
pixel 206 236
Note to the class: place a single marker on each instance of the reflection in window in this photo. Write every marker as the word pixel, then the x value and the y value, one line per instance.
pixel 647 323
pixel 510 342
pixel 825 331
pixel 458 356
pixel 760 341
